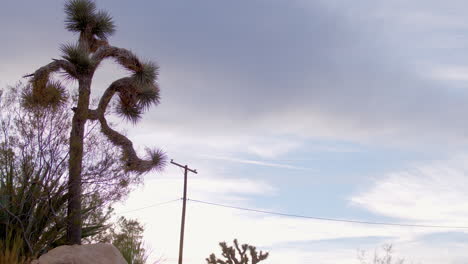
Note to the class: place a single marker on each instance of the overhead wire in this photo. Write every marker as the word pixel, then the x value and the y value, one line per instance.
pixel 325 218
pixel 149 206
pixel 297 215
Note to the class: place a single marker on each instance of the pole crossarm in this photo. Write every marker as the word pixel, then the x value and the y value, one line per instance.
pixel 184 167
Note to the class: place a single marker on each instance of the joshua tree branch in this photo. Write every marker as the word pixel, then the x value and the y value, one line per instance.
pixel 43 72
pixel 123 56
pixel 242 252
pixel 132 161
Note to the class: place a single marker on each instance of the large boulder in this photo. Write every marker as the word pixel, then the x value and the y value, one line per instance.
pixel 82 254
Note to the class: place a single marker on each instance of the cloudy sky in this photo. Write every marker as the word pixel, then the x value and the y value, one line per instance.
pixel 327 108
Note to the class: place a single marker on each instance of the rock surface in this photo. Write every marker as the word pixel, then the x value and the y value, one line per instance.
pixel 82 254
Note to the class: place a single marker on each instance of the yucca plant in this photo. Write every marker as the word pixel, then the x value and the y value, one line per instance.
pixel 136 93
pixel 11 251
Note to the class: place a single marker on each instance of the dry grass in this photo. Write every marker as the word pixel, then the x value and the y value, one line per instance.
pixel 11 252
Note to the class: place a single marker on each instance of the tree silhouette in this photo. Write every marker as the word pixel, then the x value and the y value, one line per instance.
pixel 127 237
pixel 387 258
pixel 136 93
pixel 230 254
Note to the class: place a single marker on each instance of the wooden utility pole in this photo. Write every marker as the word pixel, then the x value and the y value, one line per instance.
pixel 182 225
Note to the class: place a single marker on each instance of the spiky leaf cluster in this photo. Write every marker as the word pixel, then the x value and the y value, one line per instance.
pixel 158 157
pixel 81 16
pixel 146 75
pixel 148 96
pixel 52 95
pixel 128 111
pixel 142 95
pixel 78 56
pixel 104 25
pixel 148 90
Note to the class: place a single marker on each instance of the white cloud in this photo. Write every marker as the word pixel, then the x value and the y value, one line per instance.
pixel 430 193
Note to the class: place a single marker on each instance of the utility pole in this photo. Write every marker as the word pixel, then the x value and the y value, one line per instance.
pixel 182 225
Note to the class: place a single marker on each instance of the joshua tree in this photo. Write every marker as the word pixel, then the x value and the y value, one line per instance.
pixel 229 253
pixel 136 93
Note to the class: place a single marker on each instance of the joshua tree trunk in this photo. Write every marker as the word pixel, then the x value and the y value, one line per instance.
pixel 75 163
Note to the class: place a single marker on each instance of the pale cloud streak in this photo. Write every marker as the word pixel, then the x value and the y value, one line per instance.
pixel 255 162
pixel 450 73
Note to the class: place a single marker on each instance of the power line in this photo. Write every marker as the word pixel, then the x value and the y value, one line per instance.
pixel 297 216
pixel 149 206
pixel 325 218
